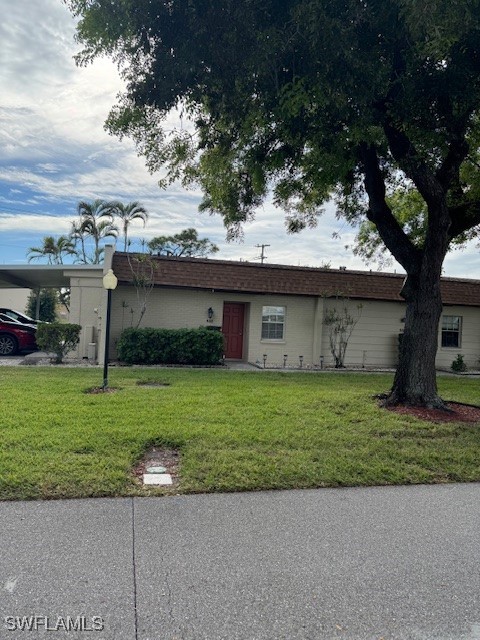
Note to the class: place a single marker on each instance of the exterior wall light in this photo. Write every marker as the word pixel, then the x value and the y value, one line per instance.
pixel 210 314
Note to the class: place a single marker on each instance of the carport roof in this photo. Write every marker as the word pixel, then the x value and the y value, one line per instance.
pixel 27 276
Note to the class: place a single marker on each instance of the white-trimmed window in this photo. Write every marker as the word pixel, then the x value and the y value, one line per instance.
pixel 273 323
pixel 451 331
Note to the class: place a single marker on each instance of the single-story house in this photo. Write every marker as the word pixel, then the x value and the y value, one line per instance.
pixel 265 312
pixel 275 312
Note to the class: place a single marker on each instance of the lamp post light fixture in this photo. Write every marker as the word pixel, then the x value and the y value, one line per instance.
pixel 301 361
pixel 264 360
pixel 110 282
pixel 285 360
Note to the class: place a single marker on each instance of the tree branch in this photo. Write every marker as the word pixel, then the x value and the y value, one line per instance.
pixel 449 170
pixel 413 166
pixel 464 217
pixel 381 215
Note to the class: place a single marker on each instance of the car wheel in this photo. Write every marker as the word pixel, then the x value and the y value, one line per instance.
pixel 8 345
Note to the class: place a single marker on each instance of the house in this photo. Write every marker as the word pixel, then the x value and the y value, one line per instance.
pixel 276 312
pixel 266 312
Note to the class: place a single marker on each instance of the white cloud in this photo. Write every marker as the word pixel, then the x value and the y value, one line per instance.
pixel 55 152
pixel 43 225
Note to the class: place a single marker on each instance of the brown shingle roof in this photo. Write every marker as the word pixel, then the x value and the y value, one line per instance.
pixel 246 277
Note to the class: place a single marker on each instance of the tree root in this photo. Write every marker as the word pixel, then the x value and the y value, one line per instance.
pixel 394 400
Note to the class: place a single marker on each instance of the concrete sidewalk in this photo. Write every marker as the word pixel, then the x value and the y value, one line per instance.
pixel 391 563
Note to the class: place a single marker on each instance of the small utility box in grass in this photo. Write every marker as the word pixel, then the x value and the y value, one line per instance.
pixel 158 479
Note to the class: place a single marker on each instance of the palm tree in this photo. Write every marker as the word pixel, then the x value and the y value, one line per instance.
pixel 96 222
pixel 78 236
pixel 53 250
pixel 127 214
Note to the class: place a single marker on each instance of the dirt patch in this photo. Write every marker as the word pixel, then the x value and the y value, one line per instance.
pixel 158 456
pixel 457 412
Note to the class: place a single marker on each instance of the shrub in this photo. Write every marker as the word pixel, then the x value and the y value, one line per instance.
pixel 59 338
pixel 458 365
pixel 170 346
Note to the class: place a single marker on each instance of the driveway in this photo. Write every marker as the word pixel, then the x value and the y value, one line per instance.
pixel 395 563
pixel 11 361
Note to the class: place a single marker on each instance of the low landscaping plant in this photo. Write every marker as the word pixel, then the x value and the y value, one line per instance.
pixel 170 346
pixel 458 365
pixel 59 338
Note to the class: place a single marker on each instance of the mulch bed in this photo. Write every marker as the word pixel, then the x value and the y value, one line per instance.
pixel 457 412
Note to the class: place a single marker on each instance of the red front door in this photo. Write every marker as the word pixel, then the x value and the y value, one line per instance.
pixel 232 329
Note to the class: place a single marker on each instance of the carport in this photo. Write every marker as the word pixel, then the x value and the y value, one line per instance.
pixel 87 296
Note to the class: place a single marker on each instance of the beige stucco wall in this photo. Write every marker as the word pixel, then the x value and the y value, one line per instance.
pixel 299 331
pixel 470 338
pixel 14 299
pixel 375 334
pixel 175 308
pixel 87 304
pixel 374 341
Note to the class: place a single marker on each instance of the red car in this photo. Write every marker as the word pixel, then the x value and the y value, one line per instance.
pixel 15 337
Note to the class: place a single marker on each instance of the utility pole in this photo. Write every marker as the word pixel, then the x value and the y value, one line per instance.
pixel 262 256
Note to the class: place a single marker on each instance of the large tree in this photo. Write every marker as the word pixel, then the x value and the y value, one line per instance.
pixel 312 98
pixel 186 244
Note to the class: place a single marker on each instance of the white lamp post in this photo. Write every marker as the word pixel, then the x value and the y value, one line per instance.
pixel 110 282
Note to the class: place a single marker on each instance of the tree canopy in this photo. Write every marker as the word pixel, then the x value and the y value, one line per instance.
pixel 312 98
pixel 96 222
pixel 303 95
pixel 127 214
pixel 186 244
pixel 94 225
pixel 53 249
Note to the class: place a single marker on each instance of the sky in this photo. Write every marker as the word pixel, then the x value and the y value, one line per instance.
pixel 55 152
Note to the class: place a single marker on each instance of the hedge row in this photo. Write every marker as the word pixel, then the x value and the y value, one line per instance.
pixel 170 346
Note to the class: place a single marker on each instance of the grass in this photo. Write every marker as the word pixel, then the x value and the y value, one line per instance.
pixel 235 430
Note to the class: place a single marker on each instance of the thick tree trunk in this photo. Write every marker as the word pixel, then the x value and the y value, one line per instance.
pixel 415 380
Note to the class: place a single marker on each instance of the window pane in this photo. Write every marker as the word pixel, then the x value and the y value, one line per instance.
pixel 273 319
pixel 451 326
pixel 451 323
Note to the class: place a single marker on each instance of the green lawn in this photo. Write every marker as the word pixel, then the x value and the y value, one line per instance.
pixel 235 431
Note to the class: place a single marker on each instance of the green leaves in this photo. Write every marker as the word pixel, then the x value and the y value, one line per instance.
pixel 186 244
pixel 170 346
pixel 59 338
pixel 281 97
